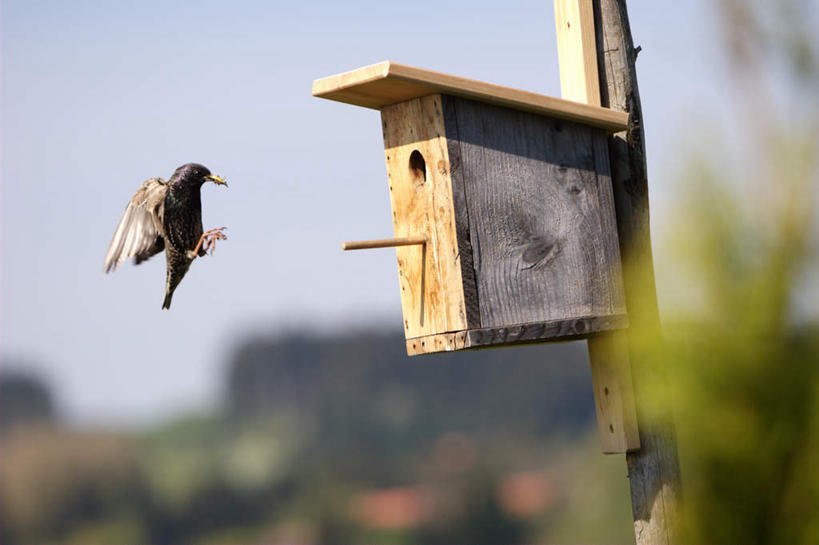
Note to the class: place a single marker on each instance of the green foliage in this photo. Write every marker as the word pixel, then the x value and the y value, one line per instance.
pixel 742 366
pixel 741 343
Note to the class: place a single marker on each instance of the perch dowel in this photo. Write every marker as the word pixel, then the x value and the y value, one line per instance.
pixel 382 243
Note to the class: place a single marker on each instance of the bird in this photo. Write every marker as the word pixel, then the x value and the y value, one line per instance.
pixel 166 215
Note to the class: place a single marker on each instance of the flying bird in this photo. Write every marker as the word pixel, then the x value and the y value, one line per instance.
pixel 166 216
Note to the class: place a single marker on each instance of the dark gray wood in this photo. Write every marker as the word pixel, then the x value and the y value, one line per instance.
pixel 540 215
pixel 654 470
pixel 465 252
pixel 564 330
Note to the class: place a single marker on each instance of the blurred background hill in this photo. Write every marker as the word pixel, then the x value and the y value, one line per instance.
pixel 26 400
pixel 331 439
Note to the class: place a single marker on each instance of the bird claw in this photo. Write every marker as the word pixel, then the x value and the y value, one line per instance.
pixel 208 240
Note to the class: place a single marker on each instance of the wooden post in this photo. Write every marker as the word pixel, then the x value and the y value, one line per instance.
pixel 654 470
pixel 608 354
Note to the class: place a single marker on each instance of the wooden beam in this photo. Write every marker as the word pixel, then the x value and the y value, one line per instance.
pixel 654 470
pixel 387 83
pixel 613 392
pixel 611 372
pixel 576 52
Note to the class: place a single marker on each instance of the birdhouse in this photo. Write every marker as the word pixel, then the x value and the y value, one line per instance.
pixel 502 208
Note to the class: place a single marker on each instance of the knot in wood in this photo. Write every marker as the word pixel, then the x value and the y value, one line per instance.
pixel 540 250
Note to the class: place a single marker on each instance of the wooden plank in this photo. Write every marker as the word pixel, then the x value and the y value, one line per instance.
pixel 576 52
pixel 386 83
pixel 610 363
pixel 418 169
pixel 616 416
pixel 540 216
pixel 613 394
pixel 431 344
pixel 464 240
pixel 561 330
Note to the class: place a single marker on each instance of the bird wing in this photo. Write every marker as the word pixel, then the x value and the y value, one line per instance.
pixel 140 232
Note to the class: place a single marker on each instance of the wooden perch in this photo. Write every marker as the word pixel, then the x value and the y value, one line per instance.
pixel 382 243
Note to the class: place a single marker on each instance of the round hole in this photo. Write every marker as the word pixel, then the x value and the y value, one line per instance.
pixel 418 167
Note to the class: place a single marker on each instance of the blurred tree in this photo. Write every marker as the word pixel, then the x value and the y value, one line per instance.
pixel 24 399
pixel 368 376
pixel 478 517
pixel 742 347
pixel 57 484
pixel 370 409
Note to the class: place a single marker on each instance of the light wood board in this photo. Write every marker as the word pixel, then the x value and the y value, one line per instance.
pixel 387 83
pixel 608 352
pixel 576 51
pixel 430 278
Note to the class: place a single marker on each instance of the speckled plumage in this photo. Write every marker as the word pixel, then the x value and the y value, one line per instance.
pixel 163 215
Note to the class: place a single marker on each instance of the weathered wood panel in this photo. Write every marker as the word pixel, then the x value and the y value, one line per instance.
pixel 540 215
pixel 460 205
pixel 421 195
pixel 559 330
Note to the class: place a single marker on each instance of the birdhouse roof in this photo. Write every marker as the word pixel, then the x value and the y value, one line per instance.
pixel 386 83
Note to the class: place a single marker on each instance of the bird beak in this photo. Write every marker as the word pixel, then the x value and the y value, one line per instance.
pixel 218 180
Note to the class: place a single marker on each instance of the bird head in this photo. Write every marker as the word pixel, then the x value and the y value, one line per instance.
pixel 194 173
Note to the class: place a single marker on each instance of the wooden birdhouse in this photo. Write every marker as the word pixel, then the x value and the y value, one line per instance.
pixel 502 208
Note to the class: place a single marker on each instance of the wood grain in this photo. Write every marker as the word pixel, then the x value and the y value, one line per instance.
pixel 386 83
pixel 430 278
pixel 540 216
pixel 577 55
pixel 460 205
pixel 613 392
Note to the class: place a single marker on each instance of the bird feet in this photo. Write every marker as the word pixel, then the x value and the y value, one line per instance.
pixel 208 240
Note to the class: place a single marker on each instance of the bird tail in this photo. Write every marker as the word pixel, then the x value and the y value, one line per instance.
pixel 174 273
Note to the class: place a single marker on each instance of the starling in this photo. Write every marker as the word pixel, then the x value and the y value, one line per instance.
pixel 166 216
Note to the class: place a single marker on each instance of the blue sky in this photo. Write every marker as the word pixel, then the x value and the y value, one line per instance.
pixel 99 96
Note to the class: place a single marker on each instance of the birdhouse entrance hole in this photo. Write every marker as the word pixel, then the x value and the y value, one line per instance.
pixel 418 167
